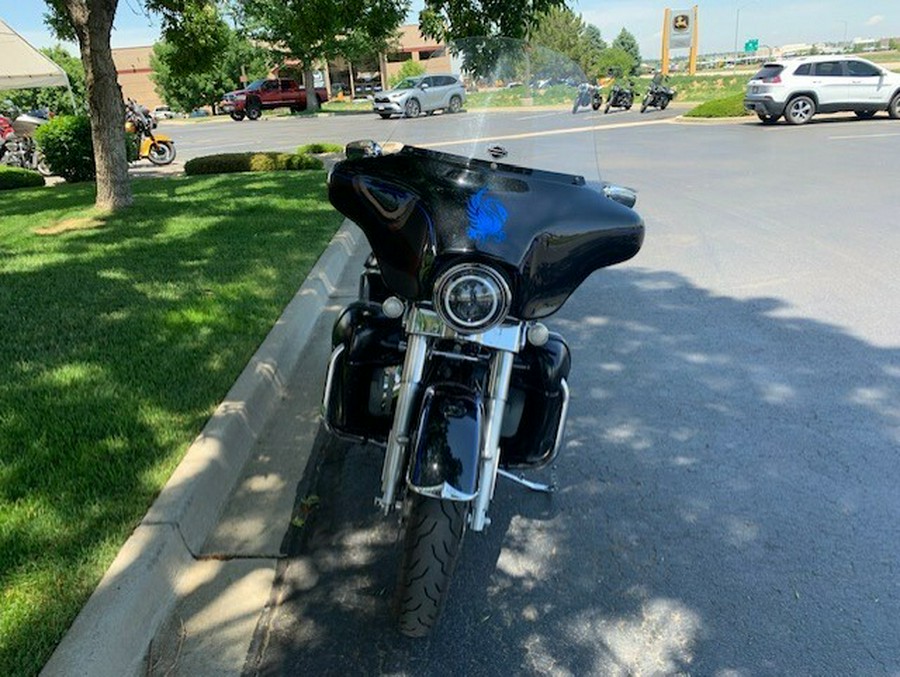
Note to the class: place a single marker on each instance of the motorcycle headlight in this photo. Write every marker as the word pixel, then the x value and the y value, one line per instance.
pixel 472 298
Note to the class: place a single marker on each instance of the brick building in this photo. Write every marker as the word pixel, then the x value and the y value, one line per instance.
pixel 359 78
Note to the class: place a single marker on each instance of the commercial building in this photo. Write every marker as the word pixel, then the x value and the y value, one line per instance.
pixel 352 79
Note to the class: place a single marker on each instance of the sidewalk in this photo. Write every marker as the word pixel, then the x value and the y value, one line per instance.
pixel 184 593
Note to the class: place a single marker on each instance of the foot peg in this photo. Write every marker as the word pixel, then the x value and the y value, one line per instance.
pixel 534 486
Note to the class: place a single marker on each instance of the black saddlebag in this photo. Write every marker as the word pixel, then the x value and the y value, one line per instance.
pixel 538 400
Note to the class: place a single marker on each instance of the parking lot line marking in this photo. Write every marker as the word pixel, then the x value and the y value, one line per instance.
pixel 863 136
pixel 548 132
pixel 541 115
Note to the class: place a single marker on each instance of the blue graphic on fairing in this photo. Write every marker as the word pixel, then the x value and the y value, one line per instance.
pixel 487 217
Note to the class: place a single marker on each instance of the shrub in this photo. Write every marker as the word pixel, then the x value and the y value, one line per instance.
pixel 228 163
pixel 67 146
pixel 727 107
pixel 409 69
pixel 17 177
pixel 319 147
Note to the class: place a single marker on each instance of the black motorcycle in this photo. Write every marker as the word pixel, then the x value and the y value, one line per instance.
pixel 658 96
pixel 587 95
pixel 444 360
pixel 620 96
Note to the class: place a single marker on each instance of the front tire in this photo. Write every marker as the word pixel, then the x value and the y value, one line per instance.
pixel 254 112
pixel 431 546
pixel 606 110
pixel 237 115
pixel 645 103
pixel 455 104
pixel 800 110
pixel 412 109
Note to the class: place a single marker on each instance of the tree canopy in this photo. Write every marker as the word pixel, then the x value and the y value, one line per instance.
pixel 204 87
pixel 448 20
pixel 308 31
pixel 627 43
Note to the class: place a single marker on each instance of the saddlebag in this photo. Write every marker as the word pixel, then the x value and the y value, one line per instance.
pixel 364 366
pixel 537 404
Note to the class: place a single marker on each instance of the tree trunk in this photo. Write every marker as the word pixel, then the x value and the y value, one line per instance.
pixel 312 101
pixel 92 20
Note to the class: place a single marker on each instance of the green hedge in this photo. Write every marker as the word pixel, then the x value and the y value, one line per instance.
pixel 726 107
pixel 17 177
pixel 319 147
pixel 228 163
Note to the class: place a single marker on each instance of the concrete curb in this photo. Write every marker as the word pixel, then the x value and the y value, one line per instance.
pixel 111 634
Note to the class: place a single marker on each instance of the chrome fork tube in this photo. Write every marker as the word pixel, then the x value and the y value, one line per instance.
pixel 495 409
pixel 398 440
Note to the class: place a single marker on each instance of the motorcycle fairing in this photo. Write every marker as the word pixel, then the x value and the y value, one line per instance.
pixel 548 230
pixel 447 442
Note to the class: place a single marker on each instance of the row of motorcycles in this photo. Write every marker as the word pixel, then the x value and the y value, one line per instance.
pixel 17 144
pixel 18 147
pixel 622 96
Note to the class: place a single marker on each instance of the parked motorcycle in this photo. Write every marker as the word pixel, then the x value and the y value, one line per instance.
pixel 158 148
pixel 587 95
pixel 659 95
pixel 620 96
pixel 19 148
pixel 444 360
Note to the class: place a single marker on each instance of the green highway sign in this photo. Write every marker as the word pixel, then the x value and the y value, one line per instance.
pixel 751 45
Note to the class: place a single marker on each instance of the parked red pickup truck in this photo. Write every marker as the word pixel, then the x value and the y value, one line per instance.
pixel 263 95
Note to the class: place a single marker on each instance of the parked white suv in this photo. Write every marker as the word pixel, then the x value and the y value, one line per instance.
pixel 423 94
pixel 800 88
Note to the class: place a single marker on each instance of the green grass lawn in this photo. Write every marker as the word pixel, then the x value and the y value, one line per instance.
pixel 119 338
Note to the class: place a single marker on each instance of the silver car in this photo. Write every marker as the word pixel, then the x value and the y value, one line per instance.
pixel 423 94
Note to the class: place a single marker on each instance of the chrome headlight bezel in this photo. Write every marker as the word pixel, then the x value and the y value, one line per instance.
pixel 490 278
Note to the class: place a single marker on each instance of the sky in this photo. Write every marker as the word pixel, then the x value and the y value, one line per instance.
pixel 772 22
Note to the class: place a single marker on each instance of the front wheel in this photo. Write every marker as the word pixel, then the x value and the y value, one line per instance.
pixel 664 103
pixel 455 104
pixel 412 109
pixel 254 111
pixel 575 107
pixel 606 110
pixel 431 546
pixel 161 153
pixel 237 115
pixel 645 103
pixel 41 165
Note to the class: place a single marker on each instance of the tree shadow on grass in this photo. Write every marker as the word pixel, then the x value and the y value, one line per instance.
pixel 727 505
pixel 118 343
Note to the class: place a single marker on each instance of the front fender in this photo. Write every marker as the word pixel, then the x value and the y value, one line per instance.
pixel 446 451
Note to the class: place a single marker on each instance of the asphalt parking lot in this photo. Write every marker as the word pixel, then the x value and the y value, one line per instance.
pixel 728 498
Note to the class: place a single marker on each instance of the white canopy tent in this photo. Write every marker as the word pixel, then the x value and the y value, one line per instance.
pixel 24 67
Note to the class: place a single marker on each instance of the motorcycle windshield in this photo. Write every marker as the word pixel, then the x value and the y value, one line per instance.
pixel 482 158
